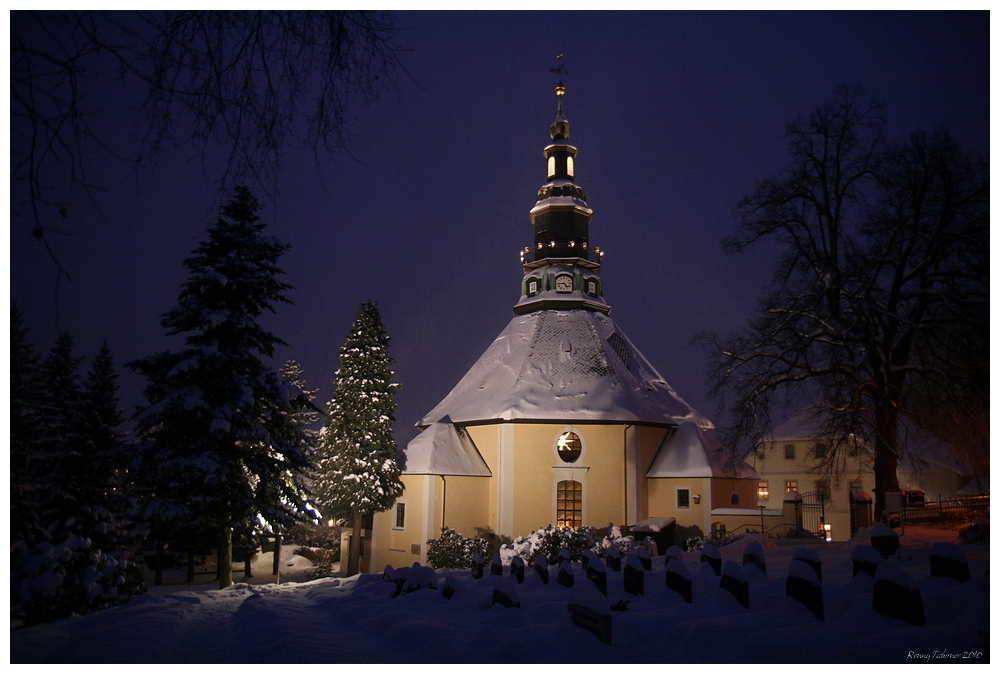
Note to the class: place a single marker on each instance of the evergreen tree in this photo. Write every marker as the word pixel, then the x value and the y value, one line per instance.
pixel 218 446
pixel 59 416
pixel 95 474
pixel 357 471
pixel 25 435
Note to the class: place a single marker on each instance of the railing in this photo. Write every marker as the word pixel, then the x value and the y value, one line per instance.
pixel 959 509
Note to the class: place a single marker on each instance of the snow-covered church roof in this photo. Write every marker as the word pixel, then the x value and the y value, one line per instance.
pixel 563 365
pixel 691 452
pixel 443 449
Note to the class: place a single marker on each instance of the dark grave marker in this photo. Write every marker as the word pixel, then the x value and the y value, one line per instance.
pixel 565 574
pixel 588 555
pixel 449 587
pixel 754 554
pixel 803 586
pixel 735 582
pixel 598 575
pixel 948 560
pixel 613 558
pixel 885 540
pixel 710 554
pixel 420 577
pixel 541 567
pixel 399 579
pixel 809 556
pixel 678 579
pixel 564 555
pixel 634 574
pixel 895 595
pixel 496 565
pixel 643 554
pixel 517 569
pixel 673 552
pixel 865 559
pixel 505 592
pixel 387 573
pixel 589 609
pixel 477 565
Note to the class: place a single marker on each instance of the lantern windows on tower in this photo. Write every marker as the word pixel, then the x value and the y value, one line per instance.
pixel 552 166
pixel 569 166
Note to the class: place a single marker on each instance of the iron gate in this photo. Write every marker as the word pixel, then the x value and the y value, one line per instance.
pixel 813 511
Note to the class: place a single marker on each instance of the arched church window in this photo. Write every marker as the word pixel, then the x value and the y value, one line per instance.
pixel 569 504
pixel 552 166
pixel 569 446
pixel 569 166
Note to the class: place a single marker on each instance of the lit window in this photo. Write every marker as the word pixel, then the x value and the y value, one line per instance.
pixel 569 504
pixel 791 485
pixel 569 447
pixel 684 498
pixel 552 166
pixel 569 166
pixel 762 492
pixel 400 516
pixel 789 451
pixel 820 450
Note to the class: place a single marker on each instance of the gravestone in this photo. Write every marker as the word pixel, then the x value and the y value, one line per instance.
pixel 895 595
pixel 948 560
pixel 598 575
pixel 589 609
pixel 809 556
pixel 565 577
pixel 588 555
pixel 419 578
pixel 564 555
pixel 517 568
pixel 541 567
pixel 673 552
pixel 613 558
pixel 399 579
pixel 505 592
pixel 449 587
pixel 496 565
pixel 710 554
pixel 735 582
pixel 885 540
pixel 803 586
pixel 651 546
pixel 634 574
pixel 387 573
pixel 643 554
pixel 477 565
pixel 865 559
pixel 678 579
pixel 754 554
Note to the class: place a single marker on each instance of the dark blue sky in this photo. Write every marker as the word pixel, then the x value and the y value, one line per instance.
pixel 675 116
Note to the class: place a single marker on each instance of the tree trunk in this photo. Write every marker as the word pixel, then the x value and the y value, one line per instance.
pixel 247 571
pixel 354 560
pixel 277 558
pixel 225 559
pixel 190 565
pixel 158 578
pixel 886 457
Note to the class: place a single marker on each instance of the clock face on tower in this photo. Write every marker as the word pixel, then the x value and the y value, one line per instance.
pixel 564 284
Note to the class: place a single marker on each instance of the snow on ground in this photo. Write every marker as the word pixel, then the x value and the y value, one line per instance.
pixel 358 620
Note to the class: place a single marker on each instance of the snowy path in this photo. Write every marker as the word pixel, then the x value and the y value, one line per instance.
pixel 358 620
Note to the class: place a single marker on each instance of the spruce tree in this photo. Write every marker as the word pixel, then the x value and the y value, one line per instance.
pixel 218 447
pixel 25 435
pixel 357 471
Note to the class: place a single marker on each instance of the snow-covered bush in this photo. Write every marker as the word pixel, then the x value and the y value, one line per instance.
pixel 698 542
pixel 322 559
pixel 71 578
pixel 548 541
pixel 451 550
pixel 624 544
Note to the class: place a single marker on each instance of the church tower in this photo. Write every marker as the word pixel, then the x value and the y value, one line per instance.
pixel 561 421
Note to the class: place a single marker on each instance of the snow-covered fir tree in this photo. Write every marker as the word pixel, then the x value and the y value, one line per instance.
pixel 357 472
pixel 219 446
pixel 25 435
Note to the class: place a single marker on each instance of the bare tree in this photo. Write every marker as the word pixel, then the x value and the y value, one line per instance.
pixel 252 82
pixel 883 269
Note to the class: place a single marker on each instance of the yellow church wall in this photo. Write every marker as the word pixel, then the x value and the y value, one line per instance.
pixel 649 439
pixel 723 490
pixel 486 439
pixel 663 500
pixel 466 503
pixel 395 546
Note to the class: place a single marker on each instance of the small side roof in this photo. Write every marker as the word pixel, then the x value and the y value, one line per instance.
pixel 444 449
pixel 692 452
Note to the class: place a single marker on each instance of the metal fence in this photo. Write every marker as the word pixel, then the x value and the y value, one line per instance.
pixel 959 509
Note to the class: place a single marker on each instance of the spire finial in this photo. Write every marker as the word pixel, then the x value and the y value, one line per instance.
pixel 560 127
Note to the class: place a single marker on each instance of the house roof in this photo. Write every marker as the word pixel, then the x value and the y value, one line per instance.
pixel 563 365
pixel 691 452
pixel 443 449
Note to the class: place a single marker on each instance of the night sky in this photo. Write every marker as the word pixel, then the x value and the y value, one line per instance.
pixel 675 116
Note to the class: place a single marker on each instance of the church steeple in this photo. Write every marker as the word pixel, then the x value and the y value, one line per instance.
pixel 561 270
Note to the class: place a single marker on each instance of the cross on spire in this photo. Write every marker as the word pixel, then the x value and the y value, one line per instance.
pixel 560 70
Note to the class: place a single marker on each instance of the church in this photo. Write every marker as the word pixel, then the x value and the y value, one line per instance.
pixel 562 421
